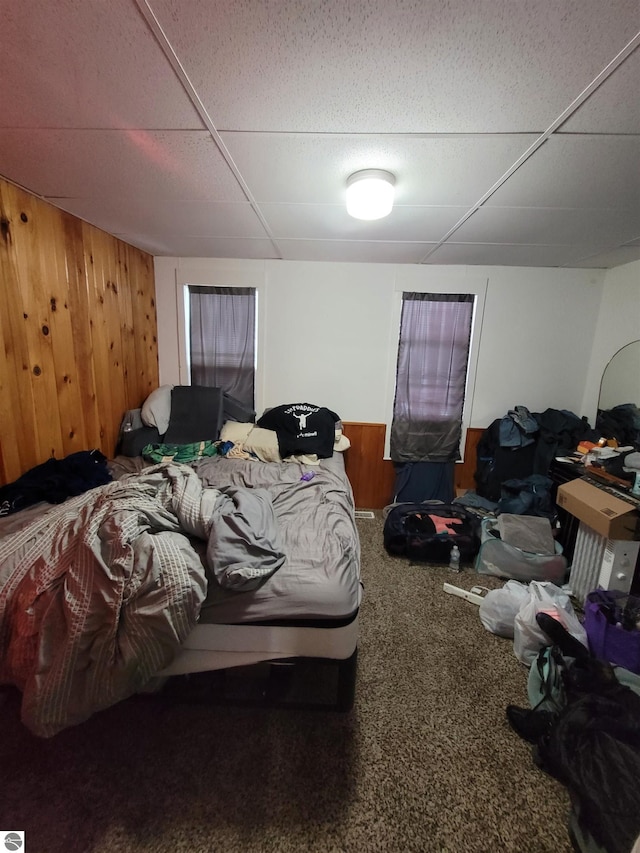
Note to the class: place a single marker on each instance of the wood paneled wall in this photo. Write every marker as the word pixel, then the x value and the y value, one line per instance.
pixel 464 471
pixel 372 477
pixel 77 329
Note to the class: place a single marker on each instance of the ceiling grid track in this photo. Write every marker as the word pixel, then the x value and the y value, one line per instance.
pixel 167 48
pixel 626 51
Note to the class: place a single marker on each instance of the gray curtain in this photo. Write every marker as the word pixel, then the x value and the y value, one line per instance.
pixel 222 339
pixel 433 356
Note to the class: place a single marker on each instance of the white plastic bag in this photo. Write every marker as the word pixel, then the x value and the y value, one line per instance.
pixel 500 607
pixel 528 637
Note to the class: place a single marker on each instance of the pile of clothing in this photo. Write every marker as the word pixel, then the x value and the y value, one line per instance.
pixel 585 732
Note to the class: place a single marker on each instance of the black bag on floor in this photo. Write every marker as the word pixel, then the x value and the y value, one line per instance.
pixel 496 464
pixel 426 532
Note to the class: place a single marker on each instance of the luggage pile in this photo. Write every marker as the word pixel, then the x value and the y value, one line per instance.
pixel 425 521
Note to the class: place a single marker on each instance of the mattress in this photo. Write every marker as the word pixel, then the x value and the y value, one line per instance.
pixel 319 583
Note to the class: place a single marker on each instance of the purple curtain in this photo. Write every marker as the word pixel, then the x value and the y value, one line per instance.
pixel 433 356
pixel 222 339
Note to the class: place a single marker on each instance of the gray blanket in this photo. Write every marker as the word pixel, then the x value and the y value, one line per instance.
pixel 98 594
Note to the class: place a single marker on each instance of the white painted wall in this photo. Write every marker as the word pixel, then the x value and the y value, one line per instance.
pixel 329 331
pixel 618 324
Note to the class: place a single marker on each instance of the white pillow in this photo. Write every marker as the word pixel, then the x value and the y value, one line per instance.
pixel 156 409
pixel 264 443
pixel 235 431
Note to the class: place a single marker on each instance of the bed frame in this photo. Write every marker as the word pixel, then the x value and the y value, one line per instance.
pixel 212 647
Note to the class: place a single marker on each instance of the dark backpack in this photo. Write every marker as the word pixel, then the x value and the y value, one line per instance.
pixel 529 496
pixel 426 532
pixel 495 464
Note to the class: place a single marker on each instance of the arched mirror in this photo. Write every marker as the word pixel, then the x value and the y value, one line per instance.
pixel 619 401
pixel 621 378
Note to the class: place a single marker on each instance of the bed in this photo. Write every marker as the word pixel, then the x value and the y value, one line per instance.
pixel 175 568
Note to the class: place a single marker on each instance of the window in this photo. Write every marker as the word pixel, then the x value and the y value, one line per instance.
pixel 431 376
pixel 221 326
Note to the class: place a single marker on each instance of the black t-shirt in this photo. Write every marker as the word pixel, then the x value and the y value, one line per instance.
pixel 302 428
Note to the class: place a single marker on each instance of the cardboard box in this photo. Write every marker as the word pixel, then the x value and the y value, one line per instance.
pixel 608 515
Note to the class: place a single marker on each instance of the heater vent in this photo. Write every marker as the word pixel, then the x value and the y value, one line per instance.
pixel 365 513
pixel 587 561
pixel 600 562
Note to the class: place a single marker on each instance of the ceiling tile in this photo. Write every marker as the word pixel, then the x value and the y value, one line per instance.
pixel 615 106
pixel 550 226
pixel 446 66
pixel 485 254
pixel 355 251
pixel 332 222
pixel 577 171
pixel 201 247
pixel 179 218
pixel 300 168
pixel 104 164
pixel 610 259
pixel 86 64
pixel 448 95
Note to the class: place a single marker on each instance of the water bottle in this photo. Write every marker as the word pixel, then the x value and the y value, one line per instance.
pixel 454 559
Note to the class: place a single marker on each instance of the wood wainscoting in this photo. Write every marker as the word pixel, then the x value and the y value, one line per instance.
pixel 372 476
pixel 463 479
pixel 77 332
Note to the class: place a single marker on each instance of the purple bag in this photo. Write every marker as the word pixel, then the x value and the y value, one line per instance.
pixel 612 623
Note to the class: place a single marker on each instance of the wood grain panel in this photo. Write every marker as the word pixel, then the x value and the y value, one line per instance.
pixel 77 303
pixel 372 477
pixel 61 331
pixel 464 471
pixel 77 329
pixel 140 273
pixel 18 427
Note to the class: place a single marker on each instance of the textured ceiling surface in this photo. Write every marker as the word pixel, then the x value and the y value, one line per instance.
pixel 228 128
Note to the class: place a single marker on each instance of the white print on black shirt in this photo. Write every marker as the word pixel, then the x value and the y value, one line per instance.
pixel 302 428
pixel 301 413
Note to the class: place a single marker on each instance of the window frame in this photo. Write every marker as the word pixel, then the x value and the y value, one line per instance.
pixel 407 282
pixel 221 276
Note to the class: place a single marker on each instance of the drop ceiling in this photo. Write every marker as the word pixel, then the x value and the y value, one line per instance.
pixel 228 128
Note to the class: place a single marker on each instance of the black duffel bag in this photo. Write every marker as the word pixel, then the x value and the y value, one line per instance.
pixel 426 532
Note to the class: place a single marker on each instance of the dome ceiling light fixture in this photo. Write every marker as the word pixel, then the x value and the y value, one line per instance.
pixel 370 194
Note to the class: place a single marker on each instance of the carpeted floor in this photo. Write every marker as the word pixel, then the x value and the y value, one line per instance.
pixel 425 762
